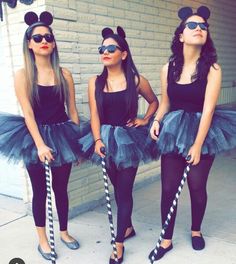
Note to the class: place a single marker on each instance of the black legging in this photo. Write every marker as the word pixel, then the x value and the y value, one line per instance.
pixel 60 178
pixel 172 168
pixel 123 181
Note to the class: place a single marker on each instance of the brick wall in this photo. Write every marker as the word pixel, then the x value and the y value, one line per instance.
pixel 149 26
pixel 13 180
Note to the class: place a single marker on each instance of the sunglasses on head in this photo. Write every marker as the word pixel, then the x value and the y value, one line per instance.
pixel 193 25
pixel 110 48
pixel 38 38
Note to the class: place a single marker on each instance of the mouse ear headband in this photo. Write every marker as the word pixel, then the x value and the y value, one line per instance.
pixel 32 18
pixel 108 31
pixel 186 12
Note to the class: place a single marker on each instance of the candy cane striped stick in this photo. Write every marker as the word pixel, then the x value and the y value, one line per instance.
pixel 108 201
pixel 153 253
pixel 50 214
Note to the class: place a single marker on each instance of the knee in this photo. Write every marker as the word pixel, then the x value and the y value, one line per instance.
pixel 125 199
pixel 169 190
pixel 39 195
pixel 197 189
pixel 199 197
pixel 59 191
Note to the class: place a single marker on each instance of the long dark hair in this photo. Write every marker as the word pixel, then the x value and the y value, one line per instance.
pixel 31 70
pixel 207 58
pixel 132 80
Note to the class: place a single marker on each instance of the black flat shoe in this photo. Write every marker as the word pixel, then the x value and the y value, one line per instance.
pixel 130 235
pixel 160 253
pixel 71 245
pixel 198 243
pixel 120 260
pixel 45 255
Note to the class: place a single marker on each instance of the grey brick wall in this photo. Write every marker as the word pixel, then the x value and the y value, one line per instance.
pixel 149 26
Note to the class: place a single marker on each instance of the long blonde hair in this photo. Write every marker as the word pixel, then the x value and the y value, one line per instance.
pixel 31 69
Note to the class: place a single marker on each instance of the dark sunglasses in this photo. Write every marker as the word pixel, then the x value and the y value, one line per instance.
pixel 109 48
pixel 38 38
pixel 193 25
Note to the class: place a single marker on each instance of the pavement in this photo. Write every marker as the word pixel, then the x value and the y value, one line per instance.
pixel 18 237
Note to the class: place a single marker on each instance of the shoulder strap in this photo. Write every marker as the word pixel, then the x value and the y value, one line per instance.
pixel 170 71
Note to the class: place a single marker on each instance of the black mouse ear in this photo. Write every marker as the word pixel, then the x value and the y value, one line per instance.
pixel 31 18
pixel 107 31
pixel 204 12
pixel 12 3
pixel 185 12
pixel 46 18
pixel 121 32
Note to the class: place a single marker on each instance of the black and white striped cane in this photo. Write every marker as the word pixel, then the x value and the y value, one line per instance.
pixel 154 252
pixel 108 201
pixel 50 214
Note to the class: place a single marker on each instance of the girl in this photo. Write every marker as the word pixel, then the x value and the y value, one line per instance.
pixel 43 89
pixel 113 101
pixel 185 124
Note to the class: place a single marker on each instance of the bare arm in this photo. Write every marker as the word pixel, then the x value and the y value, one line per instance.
pixel 164 105
pixel 146 91
pixel 211 96
pixel 95 120
pixel 71 107
pixel 20 89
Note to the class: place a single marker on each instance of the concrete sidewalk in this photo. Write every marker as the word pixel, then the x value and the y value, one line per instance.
pixel 18 236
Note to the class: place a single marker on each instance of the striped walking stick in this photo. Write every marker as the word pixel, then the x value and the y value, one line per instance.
pixel 154 252
pixel 50 214
pixel 108 201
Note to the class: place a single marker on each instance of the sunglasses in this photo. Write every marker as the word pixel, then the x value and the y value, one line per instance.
pixel 193 25
pixel 38 38
pixel 109 48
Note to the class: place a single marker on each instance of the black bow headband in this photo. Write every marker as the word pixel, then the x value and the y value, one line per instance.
pixel 32 18
pixel 186 12
pixel 108 31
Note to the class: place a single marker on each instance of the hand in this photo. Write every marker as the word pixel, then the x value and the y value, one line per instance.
pixel 137 122
pixel 98 145
pixel 195 154
pixel 79 162
pixel 44 152
pixel 154 131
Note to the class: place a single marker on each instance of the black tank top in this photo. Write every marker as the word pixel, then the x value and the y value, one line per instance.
pixel 115 108
pixel 189 97
pixel 50 109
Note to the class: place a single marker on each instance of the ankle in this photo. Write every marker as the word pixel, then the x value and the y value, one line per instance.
pixel 120 248
pixel 119 245
pixel 43 241
pixel 45 246
pixel 64 234
pixel 165 243
pixel 196 233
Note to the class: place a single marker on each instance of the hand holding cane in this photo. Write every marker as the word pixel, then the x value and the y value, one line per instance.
pixel 153 253
pixel 108 201
pixel 50 213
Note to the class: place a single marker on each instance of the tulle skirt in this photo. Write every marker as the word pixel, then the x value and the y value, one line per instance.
pixel 179 129
pixel 124 146
pixel 16 143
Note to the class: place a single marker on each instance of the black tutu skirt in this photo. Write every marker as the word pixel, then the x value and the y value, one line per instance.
pixel 16 143
pixel 125 146
pixel 179 129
